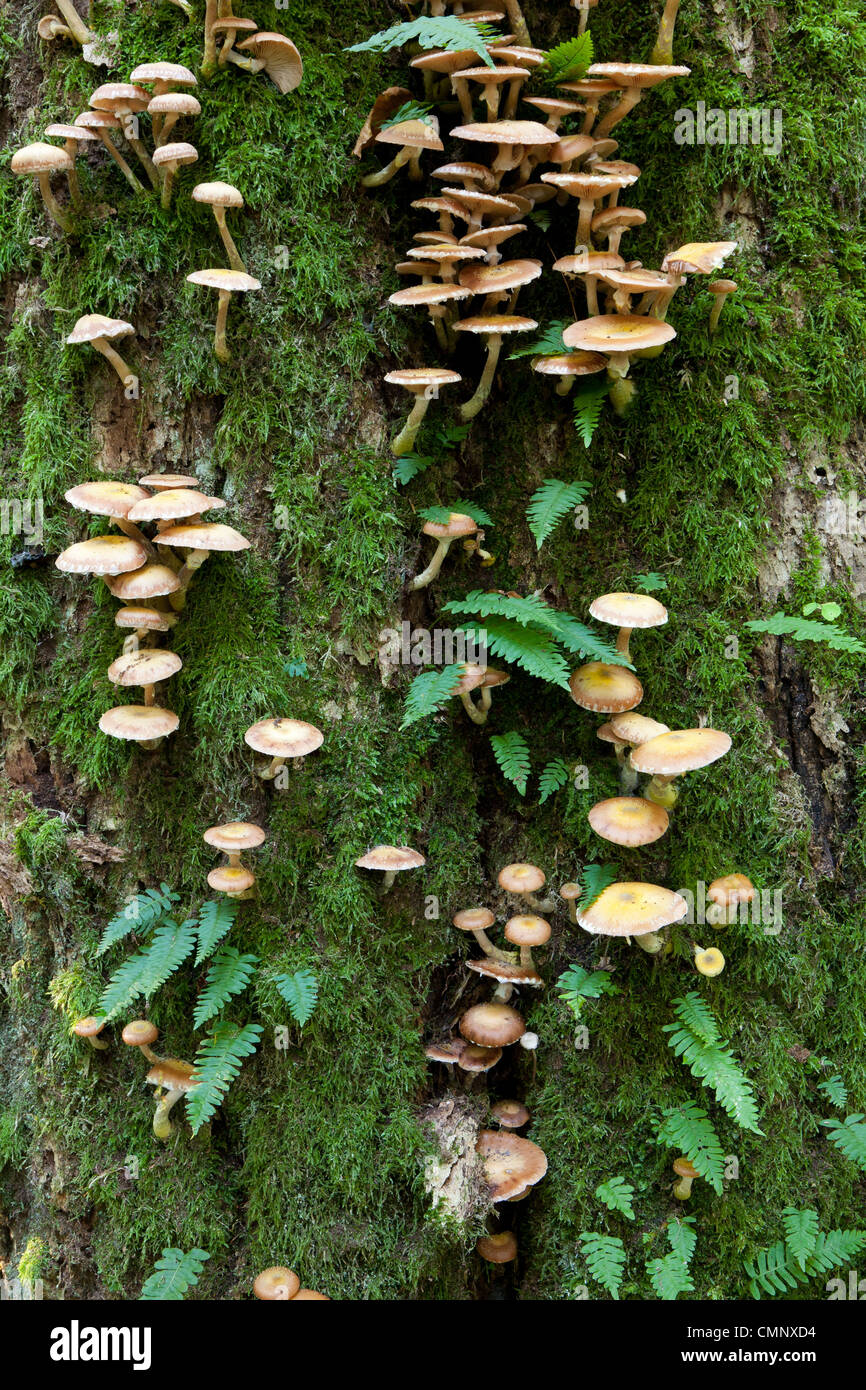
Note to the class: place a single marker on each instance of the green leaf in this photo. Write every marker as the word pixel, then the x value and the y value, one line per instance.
pixel 217 1063
pixel 682 1237
pixel 440 31
pixel 175 1272
pixel 594 878
pixel 801 1233
pixel 228 974
pixel 696 1014
pixel 511 752
pixel 301 993
pixel 648 583
pixel 670 1277
pixel 548 344
pixel 804 630
pixel 605 1258
pixel 550 503
pixel 554 775
pixel 617 1195
pixel 849 1136
pixel 587 405
pixel 410 111
pixel 575 985
pixel 140 914
pixel 149 968
pixel 688 1129
pixel 712 1062
pixel 215 921
pixel 429 691
pixel 408 466
pixel 569 60
pixel 536 652
pixel 834 1088
pixel 441 515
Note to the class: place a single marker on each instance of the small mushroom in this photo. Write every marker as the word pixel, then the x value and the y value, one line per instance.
pixel 686 1173
pixel 219 196
pixel 281 739
pixel 141 1033
pixel 125 100
pixel 424 384
pixel 493 1024
pixel 434 298
pixel 40 161
pixel 634 78
pixel 153 580
pixel 628 611
pixel 628 820
pixel 510 1114
pixel 114 500
pixel 444 533
pixel 638 910
pixel 168 159
pixel 389 860
pixel 166 110
pixel 725 896
pixel 50 28
pixel 229 28
pixel 164 78
pixel 720 290
pixel 277 1284
pixel 571 893
pixel 96 329
pixel 511 1163
pixel 144 724
pixel 77 28
pixel 492 327
pixel 568 366
pixel 525 880
pixel 618 336
pixel 499 1249
pixel 102 555
pixel 412 137
pixel 100 123
pixel 477 920
pixel 227 282
pixel 74 137
pixel 605 689
pixel 234 879
pixel 199 539
pixel 173 1080
pixel 145 668
pixel 89 1028
pixel 670 755
pixel 709 962
pixel 526 931
pixel 274 53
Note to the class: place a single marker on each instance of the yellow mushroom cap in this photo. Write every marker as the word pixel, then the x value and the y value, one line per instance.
pixel 150 618
pixel 682 750
pixel 138 723
pixel 511 1163
pixel 458 524
pixel 418 296
pixel 277 1283
pixel 618 333
pixel 698 257
pixel 152 580
pixel 172 1075
pixel 628 820
pixel 605 689
pixel 89 1027
pixel 102 555
pixel 144 667
pixel 635 728
pixel 492 1025
pixel 234 836
pixel 521 878
pixel 207 535
pixel 105 498
pixel 629 610
pixel 527 930
pixel 284 738
pixel 732 889
pixel 473 919
pixel 632 909
pixel 499 1249
pixel 589 263
pixel 391 858
pixel 511 1114
pixel 170 503
pixel 140 1032
pixel 710 962
pixel 227 879
pixel 418 135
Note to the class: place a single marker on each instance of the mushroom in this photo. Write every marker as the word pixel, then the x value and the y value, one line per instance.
pixel 589 189
pixel 153 580
pixel 165 111
pixel 612 222
pixel 491 80
pixel 282 739
pixel 510 1114
pixel 412 137
pixel 444 533
pixel 686 1173
pixel 385 105
pixel 494 281
pixel 173 504
pixel 100 123
pixel 74 137
pixel 605 689
pixel 636 729
pixel 474 1058
pixel 168 159
pixel 517 142
pixel 96 329
pixel 163 78
pixel 493 327
pixel 475 178
pixel 670 755
pixel 628 611
pixel 235 883
pixel 111 499
pixel 583 8
pixel 89 1028
pixel 709 962
pixel 493 1024
pixel 424 384
pixel 511 1163
pixel 443 258
pixel 634 78
pixel 278 57
pixel 156 481
pixel 525 880
pixel 589 265
pixel 663 50
pixel 489 239
pixel 628 778
pixel 50 28
pixel 695 258
pixel 526 931
pixel 227 282
pixel 719 289
pixel 102 555
pixel 477 920
pixel 230 27
pixel 555 109
pixel 568 366
pixel 143 621
pixel 592 91
pixel 433 298
pixel 218 197
pixel 125 99
pixel 40 161
pixel 389 860
pixel 77 28
pixel 141 1033
pixel 145 668
pixel 628 820
pixel 172 1079
pixel 498 1249
pixel 310 1296
pixel 571 893
pixel 277 1284
pixel 234 878
pixel 144 724
pixel 725 896
pixel 638 910
pixel 507 975
pixel 618 336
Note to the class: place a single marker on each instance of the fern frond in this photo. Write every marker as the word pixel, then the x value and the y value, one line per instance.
pixel 408 466
pixel 215 921
pixel 548 344
pixel 149 968
pixel 693 1011
pixel 808 630
pixel 605 1259
pixel 569 60
pixel 777 1269
pixel 576 985
pixel 682 1237
pixel 301 993
pixel 534 651
pixel 579 639
pixel 140 914
pixel 834 1248
pixel 511 752
pixel 712 1062
pixel 670 1277
pixel 689 1130
pixel 594 878
pixel 849 1136
pixel 174 1272
pixel 410 111
pixel 550 503
pixel 617 1194
pixel 431 31
pixel 554 775
pixel 228 974
pixel 587 405
pixel 834 1088
pixel 429 691
pixel 801 1233
pixel 217 1063
pixel 648 583
pixel 770 1271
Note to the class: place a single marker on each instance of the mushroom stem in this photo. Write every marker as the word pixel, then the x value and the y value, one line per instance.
pixel 135 184
pixel 405 440
pixel 168 185
pixel 388 881
pixel 682 1189
pixel 385 175
pixel 162 1125
pixel 234 258
pixel 489 949
pixel 220 345
pixel 628 778
pixel 194 561
pixel 141 150
pixel 52 207
pixel 429 574
pixel 478 716
pixel 572 911
pixel 622 642
pixel 583 236
pixel 117 362
pixel 473 406
pixel 716 310
pixel 248 64
pixel 209 56
pixel 663 52
pixel 77 27
pixel 130 529
pixel 517 24
pixel 662 791
pixel 526 958
pixel 651 942
pixel 503 992
pixel 630 98
pixel 227 46
pixel 183 5
pixel 75 187
pixel 98 1044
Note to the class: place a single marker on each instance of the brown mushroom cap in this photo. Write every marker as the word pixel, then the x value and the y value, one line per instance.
pixel 178 153
pixel 489 237
pixel 234 836
pixel 618 333
pixel 284 738
pixel 496 324
pixel 419 296
pixel 150 618
pixel 175 73
pixel 107 498
pixel 208 535
pixel 682 750
pixel 277 1283
pixel 218 278
pixel 570 892
pixel 508 275
pixel 499 1249
pixel 473 919
pixel 684 1169
pixel 511 1114
pixel 466 169
pixel 92 326
pixel 589 263
pixel 505 972
pixel 632 909
pixel 606 733
pixel 521 878
pixel 476 1058
pixel 119 97
pixel 458 524
pixel 282 61
pixel 144 667
pixel 138 723
pixel 89 1027
pixel 511 1163
pixel 448 1053
pixel 153 580
pixel 471 679
pixel 140 1032
pixel 715 286
pixel 730 890
pixel 605 689
pixel 492 1025
pixel 218 195
pixel 506 133
pixel 41 158
pixel 170 503
pixel 629 610
pixel 391 858
pixel 635 728
pixel 310 1296
pixel 527 930
pixel 609 218
pixel 417 379
pixel 569 364
pixel 628 820
pixel 174 104
pixel 172 1074
pixel 230 879
pixel 102 555
pixel 637 74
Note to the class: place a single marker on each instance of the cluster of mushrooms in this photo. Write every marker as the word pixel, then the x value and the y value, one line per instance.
pixel 479 206
pixel 150 575
pixel 172 1078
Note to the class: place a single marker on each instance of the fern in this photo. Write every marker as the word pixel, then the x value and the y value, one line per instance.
pixel 617 1195
pixel 834 1088
pixel 594 878
pixel 217 1063
pixel 301 993
pixel 714 1064
pixel 140 914
pixel 429 691
pixel 408 466
pixel 568 61
pixel 605 1259
pixel 801 1233
pixel 511 752
pixel 442 31
pixel 648 583
pixel 441 515
pixel 576 985
pixel 696 1015
pixel 215 920
pixel 175 1272
pixel 689 1130
pixel 770 1271
pixel 849 1136
pixel 228 974
pixel 553 776
pixel 682 1237
pixel 409 111
pixel 587 405
pixel 549 344
pixel 535 652
pixel 669 1274
pixel 149 968
pixel 550 503
pixel 443 440
pixel 808 630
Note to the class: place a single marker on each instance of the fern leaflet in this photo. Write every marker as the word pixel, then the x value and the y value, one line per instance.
pixel 587 407
pixel 511 752
pixel 149 968
pixel 228 974
pixel 429 691
pixel 691 1010
pixel 140 914
pixel 617 1195
pixel 801 1233
pixel 849 1136
pixel 605 1259
pixel 410 111
pixel 834 1088
pixel 553 776
pixel 550 503
pixel 536 652
pixel 670 1277
pixel 217 1063
pixel 808 630
pixel 408 466
pixel 174 1272
pixel 215 921
pixel 441 515
pixel 569 60
pixel 301 993
pixel 689 1130
pixel 594 878
pixel 550 344
pixel 431 31
pixel 576 985
pixel 714 1064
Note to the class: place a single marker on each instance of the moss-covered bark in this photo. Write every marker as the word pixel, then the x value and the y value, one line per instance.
pixel 316 1157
